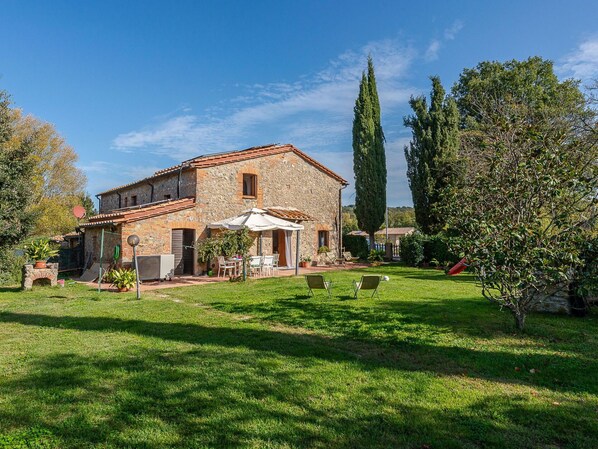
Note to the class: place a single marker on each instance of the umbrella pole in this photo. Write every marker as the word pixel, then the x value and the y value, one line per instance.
pixel 260 243
pixel 297 253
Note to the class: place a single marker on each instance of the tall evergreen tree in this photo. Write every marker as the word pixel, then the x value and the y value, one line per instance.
pixel 432 154
pixel 16 169
pixel 369 158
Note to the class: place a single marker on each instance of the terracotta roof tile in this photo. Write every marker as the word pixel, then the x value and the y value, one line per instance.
pixel 142 212
pixel 212 160
pixel 288 213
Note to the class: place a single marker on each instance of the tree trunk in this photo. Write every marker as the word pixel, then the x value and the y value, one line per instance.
pixel 519 320
pixel 372 240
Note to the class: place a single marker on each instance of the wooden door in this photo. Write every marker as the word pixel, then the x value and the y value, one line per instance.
pixel 188 241
pixel 282 252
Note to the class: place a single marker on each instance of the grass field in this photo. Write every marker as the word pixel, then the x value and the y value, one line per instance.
pixel 258 364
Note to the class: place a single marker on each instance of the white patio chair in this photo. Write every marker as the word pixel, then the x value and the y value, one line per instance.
pixel 268 265
pixel 255 265
pixel 275 262
pixel 225 266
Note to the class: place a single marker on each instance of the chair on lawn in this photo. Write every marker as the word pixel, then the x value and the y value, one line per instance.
pixel 317 282
pixel 275 262
pixel 367 282
pixel 224 266
pixel 349 257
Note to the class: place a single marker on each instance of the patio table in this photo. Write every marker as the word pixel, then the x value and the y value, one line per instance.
pixel 237 261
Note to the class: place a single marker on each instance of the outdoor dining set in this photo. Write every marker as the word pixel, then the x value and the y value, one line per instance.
pixel 257 266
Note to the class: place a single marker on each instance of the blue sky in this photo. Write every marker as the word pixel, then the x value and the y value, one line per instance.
pixel 138 86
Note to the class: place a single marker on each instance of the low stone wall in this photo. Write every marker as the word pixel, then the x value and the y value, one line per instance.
pixel 31 274
pixel 554 301
pixel 557 300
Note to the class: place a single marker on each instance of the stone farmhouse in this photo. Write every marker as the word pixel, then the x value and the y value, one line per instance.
pixel 171 209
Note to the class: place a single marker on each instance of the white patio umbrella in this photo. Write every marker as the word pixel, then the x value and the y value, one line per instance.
pixel 258 220
pixel 255 220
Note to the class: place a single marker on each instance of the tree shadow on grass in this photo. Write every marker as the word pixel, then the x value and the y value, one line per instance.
pixel 10 289
pixel 555 372
pixel 214 396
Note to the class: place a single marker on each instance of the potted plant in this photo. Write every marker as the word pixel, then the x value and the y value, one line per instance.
pixel 40 251
pixel 122 278
pixel 304 261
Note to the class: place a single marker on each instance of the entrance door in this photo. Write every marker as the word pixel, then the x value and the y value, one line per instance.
pixel 182 248
pixel 280 246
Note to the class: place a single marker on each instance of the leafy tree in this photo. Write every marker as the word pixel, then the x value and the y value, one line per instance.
pixel 531 82
pixel 56 185
pixel 401 216
pixel 369 159
pixel 349 221
pixel 16 168
pixel 529 198
pixel 432 155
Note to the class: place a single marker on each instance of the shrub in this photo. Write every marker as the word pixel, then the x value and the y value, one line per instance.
pixel 411 249
pixel 323 249
pixel 357 245
pixel 435 247
pixel 11 266
pixel 376 255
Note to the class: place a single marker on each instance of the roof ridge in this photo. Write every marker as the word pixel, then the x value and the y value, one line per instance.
pixel 247 153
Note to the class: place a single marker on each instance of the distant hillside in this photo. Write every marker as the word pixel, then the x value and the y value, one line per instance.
pixel 397 217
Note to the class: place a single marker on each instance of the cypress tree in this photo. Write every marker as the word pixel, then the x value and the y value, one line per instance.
pixel 432 154
pixel 369 159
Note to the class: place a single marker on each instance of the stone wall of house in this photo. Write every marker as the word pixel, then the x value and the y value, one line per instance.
pixel 92 237
pixel 155 234
pixel 283 180
pixel 164 185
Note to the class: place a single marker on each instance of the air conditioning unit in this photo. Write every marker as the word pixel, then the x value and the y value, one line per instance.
pixel 159 266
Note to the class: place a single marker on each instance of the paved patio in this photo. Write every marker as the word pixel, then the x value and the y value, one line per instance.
pixel 185 281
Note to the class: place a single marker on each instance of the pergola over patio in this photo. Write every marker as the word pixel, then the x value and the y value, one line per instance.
pixel 258 220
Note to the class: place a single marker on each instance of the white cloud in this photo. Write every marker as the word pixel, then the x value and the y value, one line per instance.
pixel 314 110
pixel 451 32
pixel 435 45
pixel 583 62
pixel 432 51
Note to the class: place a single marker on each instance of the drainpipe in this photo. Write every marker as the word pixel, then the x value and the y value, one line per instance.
pixel 99 198
pixel 340 220
pixel 152 192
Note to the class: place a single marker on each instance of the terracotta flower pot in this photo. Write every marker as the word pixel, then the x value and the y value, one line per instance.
pixel 40 264
pixel 123 289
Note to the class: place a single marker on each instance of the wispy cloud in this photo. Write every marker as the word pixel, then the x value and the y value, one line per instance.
pixel 582 63
pixel 314 110
pixel 432 50
pixel 449 34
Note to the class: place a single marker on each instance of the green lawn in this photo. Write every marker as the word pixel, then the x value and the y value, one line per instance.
pixel 429 365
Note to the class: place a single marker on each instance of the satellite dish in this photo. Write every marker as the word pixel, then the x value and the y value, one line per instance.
pixel 79 212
